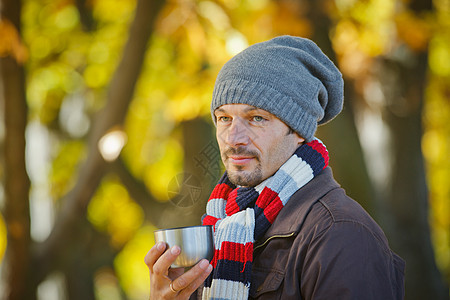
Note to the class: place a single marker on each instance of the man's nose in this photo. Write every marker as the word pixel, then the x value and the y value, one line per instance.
pixel 237 134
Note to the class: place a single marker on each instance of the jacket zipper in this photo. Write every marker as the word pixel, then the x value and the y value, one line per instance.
pixel 273 237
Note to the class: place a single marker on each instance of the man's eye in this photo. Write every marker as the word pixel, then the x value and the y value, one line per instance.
pixel 223 119
pixel 258 119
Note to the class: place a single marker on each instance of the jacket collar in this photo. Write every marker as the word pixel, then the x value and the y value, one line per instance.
pixel 290 219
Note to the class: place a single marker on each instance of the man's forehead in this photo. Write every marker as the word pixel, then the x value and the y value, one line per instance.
pixel 241 107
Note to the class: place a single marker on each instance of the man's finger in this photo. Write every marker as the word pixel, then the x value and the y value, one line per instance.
pixel 162 265
pixel 154 253
pixel 190 276
pixel 194 285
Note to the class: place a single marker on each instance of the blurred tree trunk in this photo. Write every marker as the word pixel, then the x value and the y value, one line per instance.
pixel 17 184
pixel 406 193
pixel 78 270
pixel 341 137
pixel 404 82
pixel 84 259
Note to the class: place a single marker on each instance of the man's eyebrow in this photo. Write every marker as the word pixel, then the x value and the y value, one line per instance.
pixel 246 110
pixel 220 110
pixel 252 108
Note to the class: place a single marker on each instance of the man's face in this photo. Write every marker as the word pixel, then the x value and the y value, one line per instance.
pixel 253 143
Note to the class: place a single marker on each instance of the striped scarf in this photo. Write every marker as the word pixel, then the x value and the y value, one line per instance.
pixel 241 215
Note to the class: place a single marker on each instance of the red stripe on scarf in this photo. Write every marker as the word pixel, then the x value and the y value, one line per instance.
pixel 270 203
pixel 232 207
pixel 209 220
pixel 220 190
pixel 234 252
pixel 272 211
pixel 319 147
pixel 265 197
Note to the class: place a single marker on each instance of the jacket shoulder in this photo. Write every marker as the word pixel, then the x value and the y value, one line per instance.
pixel 336 209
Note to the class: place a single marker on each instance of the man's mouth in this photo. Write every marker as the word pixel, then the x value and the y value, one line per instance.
pixel 240 156
pixel 239 160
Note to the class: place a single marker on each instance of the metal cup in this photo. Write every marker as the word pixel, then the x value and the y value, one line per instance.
pixel 196 243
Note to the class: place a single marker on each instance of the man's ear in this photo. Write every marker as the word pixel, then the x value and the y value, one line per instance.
pixel 300 140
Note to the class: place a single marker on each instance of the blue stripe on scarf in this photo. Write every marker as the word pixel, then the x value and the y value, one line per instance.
pixel 232 270
pixel 312 157
pixel 246 195
pixel 262 222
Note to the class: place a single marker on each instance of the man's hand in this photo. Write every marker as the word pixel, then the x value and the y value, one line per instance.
pixel 167 283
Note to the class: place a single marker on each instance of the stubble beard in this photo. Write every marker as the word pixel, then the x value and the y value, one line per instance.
pixel 239 176
pixel 246 178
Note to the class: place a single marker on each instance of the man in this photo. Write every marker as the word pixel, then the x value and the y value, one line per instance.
pixel 283 228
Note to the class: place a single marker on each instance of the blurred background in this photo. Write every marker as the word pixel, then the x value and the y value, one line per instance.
pixel 106 133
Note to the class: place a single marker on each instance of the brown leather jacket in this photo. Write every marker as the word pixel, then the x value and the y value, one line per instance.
pixel 323 245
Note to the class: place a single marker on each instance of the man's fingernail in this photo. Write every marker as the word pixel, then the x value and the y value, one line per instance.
pixel 160 246
pixel 204 264
pixel 175 250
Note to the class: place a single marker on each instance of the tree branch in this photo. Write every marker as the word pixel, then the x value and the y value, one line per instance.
pixel 86 18
pixel 152 208
pixel 197 139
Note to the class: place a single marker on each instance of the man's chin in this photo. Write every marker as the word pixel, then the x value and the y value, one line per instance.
pixel 247 179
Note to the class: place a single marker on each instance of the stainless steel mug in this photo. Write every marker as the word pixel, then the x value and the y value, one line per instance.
pixel 196 243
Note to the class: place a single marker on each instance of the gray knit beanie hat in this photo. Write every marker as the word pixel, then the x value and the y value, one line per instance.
pixel 287 76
